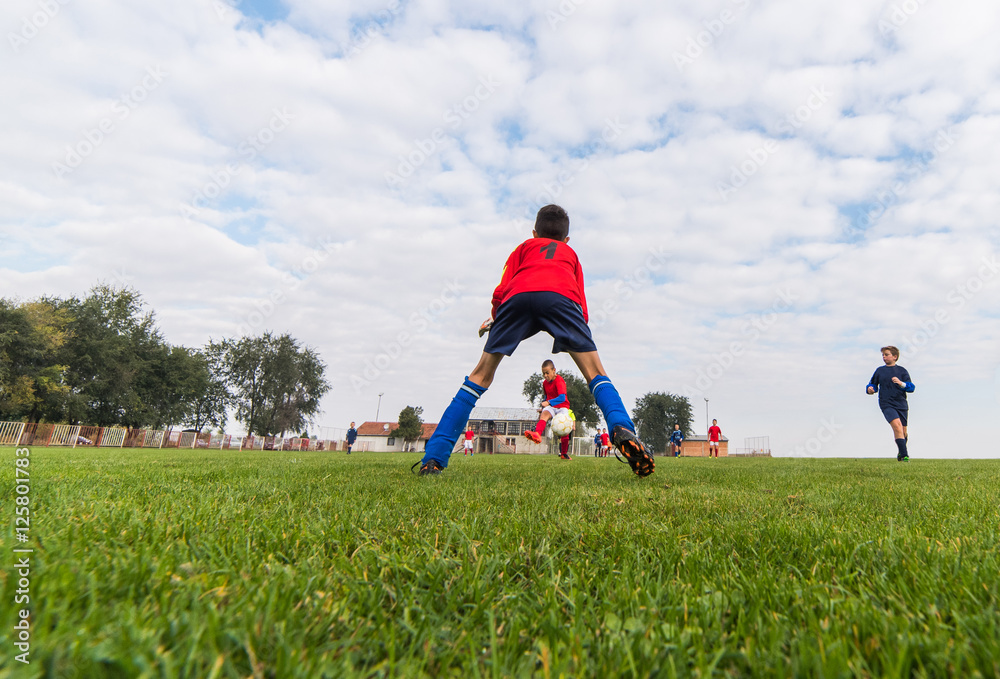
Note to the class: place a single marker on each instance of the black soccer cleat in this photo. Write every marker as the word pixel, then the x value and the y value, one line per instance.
pixel 427 468
pixel 638 458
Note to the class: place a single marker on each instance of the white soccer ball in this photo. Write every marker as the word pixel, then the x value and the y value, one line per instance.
pixel 562 422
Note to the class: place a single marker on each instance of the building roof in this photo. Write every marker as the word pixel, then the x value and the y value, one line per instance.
pixel 386 428
pixel 511 414
pixel 704 438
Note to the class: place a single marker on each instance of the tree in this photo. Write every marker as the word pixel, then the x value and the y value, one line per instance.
pixel 32 375
pixel 100 360
pixel 114 353
pixel 655 415
pixel 581 401
pixel 410 424
pixel 275 385
pixel 182 389
pixel 208 405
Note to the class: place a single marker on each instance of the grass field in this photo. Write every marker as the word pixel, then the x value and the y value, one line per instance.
pixel 227 564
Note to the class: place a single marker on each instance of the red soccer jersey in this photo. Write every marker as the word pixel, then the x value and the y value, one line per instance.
pixel 468 435
pixel 554 389
pixel 713 433
pixel 541 264
pixel 605 440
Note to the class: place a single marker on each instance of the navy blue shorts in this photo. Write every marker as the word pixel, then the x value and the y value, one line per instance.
pixel 526 314
pixel 891 414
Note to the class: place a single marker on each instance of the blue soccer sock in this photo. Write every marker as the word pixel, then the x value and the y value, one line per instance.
pixel 610 403
pixel 901 445
pixel 452 423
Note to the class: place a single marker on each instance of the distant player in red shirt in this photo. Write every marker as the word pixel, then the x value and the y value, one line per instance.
pixel 541 289
pixel 469 435
pixel 556 397
pixel 713 438
pixel 605 443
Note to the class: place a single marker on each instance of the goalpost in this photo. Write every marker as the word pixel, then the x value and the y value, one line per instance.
pixel 582 446
pixel 756 446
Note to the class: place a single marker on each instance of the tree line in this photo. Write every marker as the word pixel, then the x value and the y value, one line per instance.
pixel 102 360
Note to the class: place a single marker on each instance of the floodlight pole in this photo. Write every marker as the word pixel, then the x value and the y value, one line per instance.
pixel 706 415
pixel 379 408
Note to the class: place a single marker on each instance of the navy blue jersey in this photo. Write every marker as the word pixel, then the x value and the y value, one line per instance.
pixel 891 395
pixel 352 435
pixel 676 437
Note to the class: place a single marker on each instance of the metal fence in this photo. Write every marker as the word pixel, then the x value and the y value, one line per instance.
pixel 74 435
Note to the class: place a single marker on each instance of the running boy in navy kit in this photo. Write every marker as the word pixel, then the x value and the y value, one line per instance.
pixel 892 383
pixel 541 289
pixel 676 439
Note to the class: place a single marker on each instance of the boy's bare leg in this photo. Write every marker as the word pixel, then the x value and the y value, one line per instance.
pixel 484 371
pixel 589 364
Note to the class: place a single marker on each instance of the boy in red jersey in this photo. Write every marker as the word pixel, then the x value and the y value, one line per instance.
pixel 469 435
pixel 713 438
pixel 541 289
pixel 605 443
pixel 554 387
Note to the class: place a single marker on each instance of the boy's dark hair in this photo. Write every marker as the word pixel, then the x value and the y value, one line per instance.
pixel 552 222
pixel 547 363
pixel 892 350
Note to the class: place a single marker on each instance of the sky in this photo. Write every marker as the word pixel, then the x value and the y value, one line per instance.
pixel 762 194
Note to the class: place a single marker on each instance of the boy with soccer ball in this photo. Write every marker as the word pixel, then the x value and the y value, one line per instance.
pixel 892 383
pixel 541 289
pixel 556 397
